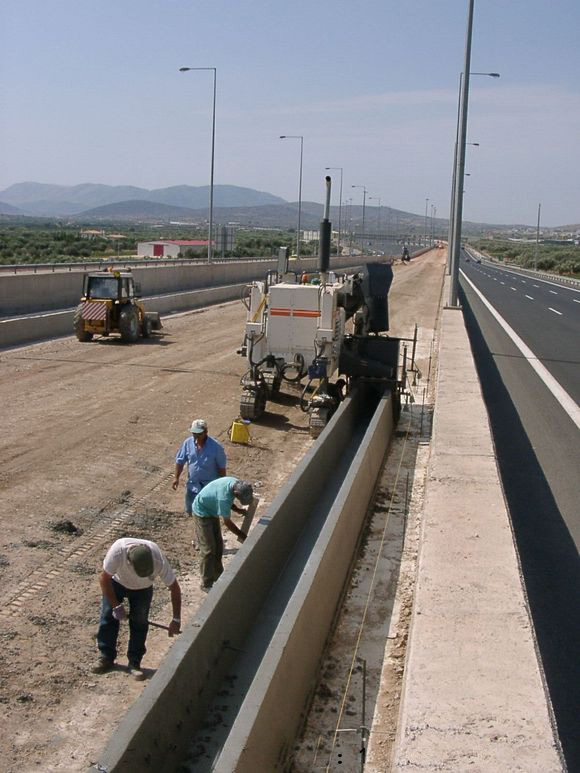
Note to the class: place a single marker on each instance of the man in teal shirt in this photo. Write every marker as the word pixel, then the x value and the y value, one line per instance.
pixel 216 500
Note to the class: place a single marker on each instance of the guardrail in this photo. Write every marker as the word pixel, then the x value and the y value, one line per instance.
pixel 97 265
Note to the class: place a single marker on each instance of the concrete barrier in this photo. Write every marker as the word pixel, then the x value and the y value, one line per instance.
pixel 274 707
pixel 23 329
pixel 22 294
pixel 158 729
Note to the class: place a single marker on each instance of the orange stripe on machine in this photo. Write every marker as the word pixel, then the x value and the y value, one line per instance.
pixel 294 313
pixel 91 311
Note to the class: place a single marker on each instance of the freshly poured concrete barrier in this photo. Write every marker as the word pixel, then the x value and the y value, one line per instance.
pixel 258 637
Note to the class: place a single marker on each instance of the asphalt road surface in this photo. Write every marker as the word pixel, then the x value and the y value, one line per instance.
pixel 532 399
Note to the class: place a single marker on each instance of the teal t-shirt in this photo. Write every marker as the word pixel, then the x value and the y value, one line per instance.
pixel 215 499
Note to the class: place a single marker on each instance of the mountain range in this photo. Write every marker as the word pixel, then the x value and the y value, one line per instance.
pixel 43 200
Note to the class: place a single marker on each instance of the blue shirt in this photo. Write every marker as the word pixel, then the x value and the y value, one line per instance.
pixel 215 499
pixel 203 464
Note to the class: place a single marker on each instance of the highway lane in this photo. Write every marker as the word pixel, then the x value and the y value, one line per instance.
pixel 545 314
pixel 538 452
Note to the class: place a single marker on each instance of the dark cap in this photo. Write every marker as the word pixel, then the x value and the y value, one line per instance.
pixel 141 559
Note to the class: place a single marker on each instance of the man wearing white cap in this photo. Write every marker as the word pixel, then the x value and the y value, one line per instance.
pixel 205 459
pixel 129 569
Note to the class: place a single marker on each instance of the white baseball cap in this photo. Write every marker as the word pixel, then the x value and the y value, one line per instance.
pixel 198 426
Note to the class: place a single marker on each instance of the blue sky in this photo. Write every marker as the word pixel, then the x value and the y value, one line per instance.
pixel 90 92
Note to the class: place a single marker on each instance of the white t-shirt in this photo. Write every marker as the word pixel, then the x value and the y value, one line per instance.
pixel 117 564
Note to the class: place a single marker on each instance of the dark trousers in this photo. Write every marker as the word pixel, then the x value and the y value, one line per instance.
pixel 211 548
pixel 139 603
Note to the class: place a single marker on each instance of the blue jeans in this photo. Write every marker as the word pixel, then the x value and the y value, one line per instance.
pixel 139 603
pixel 191 491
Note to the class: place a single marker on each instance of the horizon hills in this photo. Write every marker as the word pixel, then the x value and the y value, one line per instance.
pixel 248 206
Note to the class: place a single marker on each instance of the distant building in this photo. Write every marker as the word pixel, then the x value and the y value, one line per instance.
pixel 170 248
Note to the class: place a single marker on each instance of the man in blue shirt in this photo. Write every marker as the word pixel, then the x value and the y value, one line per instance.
pixel 214 501
pixel 205 459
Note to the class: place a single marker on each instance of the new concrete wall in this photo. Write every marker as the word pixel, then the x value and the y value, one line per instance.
pixel 273 710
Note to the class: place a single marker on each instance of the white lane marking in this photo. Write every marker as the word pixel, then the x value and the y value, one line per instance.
pixel 495 279
pixel 523 281
pixel 546 282
pixel 554 310
pixel 502 283
pixel 567 402
pixel 530 297
pixel 553 292
pixel 513 288
pixel 576 300
pixel 536 285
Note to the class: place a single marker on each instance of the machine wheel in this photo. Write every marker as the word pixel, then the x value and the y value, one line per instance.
pixel 147 327
pixel 129 324
pixel 253 403
pixel 318 420
pixel 79 327
pixel 273 382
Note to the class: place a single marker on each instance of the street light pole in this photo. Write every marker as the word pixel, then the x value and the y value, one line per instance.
pixel 460 169
pixel 454 173
pixel 210 240
pixel 537 238
pixel 426 205
pixel 339 206
pixel 301 138
pixel 363 217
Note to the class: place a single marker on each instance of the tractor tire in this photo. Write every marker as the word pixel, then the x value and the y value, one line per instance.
pixel 147 327
pixel 129 324
pixel 79 327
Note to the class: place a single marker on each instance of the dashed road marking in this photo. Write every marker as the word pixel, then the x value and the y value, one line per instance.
pixel 567 402
pixel 555 311
pixel 513 288
pixel 576 300
pixel 530 297
pixel 553 292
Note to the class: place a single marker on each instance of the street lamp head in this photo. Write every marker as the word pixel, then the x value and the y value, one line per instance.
pixel 493 74
pixel 184 69
pixel 282 136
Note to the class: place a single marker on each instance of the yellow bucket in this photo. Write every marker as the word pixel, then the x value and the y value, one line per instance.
pixel 240 432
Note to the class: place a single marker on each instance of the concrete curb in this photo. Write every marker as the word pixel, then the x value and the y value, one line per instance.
pixel 473 692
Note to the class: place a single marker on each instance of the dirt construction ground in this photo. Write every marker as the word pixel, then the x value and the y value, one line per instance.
pixel 87 450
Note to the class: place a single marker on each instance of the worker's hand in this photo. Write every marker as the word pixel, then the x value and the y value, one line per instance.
pixel 174 627
pixel 241 536
pixel 175 484
pixel 119 613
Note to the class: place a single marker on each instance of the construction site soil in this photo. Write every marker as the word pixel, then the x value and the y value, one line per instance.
pixel 90 433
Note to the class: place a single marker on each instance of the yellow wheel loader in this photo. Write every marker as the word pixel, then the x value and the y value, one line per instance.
pixel 110 304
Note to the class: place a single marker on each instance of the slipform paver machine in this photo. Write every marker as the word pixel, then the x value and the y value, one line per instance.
pixel 296 331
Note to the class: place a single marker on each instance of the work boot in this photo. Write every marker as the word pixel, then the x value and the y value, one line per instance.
pixel 103 665
pixel 136 672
